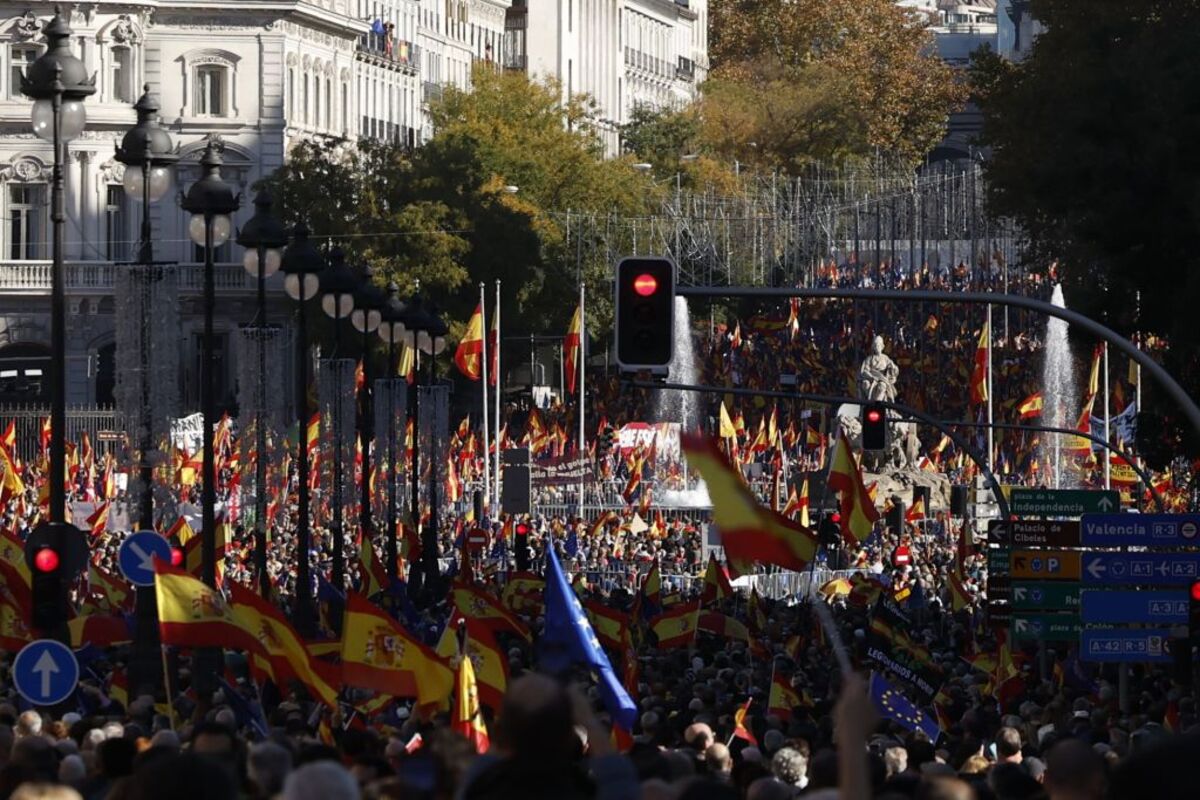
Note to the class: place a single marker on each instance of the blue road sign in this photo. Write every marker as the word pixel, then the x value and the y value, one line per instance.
pixel 1139 530
pixel 45 672
pixel 136 556
pixel 1162 569
pixel 1136 645
pixel 1162 606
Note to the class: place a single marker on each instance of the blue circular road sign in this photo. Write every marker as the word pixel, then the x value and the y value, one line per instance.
pixel 137 554
pixel 45 672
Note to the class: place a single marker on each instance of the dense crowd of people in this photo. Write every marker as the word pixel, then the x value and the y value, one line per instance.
pixel 738 687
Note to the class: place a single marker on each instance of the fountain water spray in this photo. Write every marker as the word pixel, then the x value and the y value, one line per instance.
pixel 679 406
pixel 1060 395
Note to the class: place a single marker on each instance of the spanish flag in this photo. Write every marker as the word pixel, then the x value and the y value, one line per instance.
pixel 282 647
pixel 979 376
pixel 677 627
pixel 716 583
pixel 804 503
pixel 377 653
pixel 959 598
pixel 469 355
pixel 749 532
pixel 1031 406
pixel 313 434
pixel 477 604
pixel 406 364
pixel 12 481
pixel 480 647
pixel 571 349
pixel 739 723
pixel 727 428
pixel 858 511
pixel 782 697
pixel 193 614
pixel 98 521
pixel 468 715
pixel 374 576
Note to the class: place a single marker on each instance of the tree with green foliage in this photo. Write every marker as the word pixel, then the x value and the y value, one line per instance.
pixel 446 214
pixel 823 80
pixel 1092 151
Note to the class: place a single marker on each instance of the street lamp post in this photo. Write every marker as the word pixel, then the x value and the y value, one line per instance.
pixel 264 238
pixel 302 264
pixel 337 301
pixel 391 330
pixel 147 153
pixel 58 84
pixel 210 201
pixel 369 301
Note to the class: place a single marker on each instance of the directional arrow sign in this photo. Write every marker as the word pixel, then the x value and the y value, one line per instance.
pixel 45 672
pixel 1061 502
pixel 137 554
pixel 1141 568
pixel 1047 565
pixel 1136 645
pixel 1046 596
pixel 1051 627
pixel 1161 607
pixel 1144 530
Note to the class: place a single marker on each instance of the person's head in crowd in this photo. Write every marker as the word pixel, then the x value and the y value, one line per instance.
pixel 943 787
pixel 698 736
pixel 29 723
pixel 320 780
pixel 895 759
pixel 790 766
pixel 718 760
pixel 770 788
pixel 268 766
pixel 1008 746
pixel 44 791
pixel 182 776
pixel 1074 771
pixel 536 721
pixel 1009 781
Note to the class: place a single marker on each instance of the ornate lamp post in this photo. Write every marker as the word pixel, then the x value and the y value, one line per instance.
pixel 58 84
pixel 264 238
pixel 302 265
pixel 391 330
pixel 337 301
pixel 210 201
pixel 369 301
pixel 147 153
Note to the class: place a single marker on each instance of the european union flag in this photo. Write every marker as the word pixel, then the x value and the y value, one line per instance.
pixel 571 545
pixel 892 704
pixel 569 639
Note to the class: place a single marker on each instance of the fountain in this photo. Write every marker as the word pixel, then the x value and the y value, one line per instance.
pixel 1061 395
pixel 682 407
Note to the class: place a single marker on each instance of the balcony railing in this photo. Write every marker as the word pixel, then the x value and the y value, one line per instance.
pixel 399 51
pixel 88 277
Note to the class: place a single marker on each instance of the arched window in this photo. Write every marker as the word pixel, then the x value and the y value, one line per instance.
pixel 210 78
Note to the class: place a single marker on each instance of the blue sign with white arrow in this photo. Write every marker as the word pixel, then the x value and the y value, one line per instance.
pixel 1162 606
pixel 1163 569
pixel 137 553
pixel 1134 645
pixel 45 672
pixel 1139 530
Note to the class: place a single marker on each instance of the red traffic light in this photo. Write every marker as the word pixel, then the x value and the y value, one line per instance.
pixel 522 529
pixel 1196 591
pixel 874 415
pixel 176 556
pixel 645 284
pixel 836 517
pixel 46 560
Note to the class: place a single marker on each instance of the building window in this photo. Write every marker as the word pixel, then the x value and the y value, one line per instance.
pixel 304 99
pixel 121 75
pixel 291 92
pixel 116 224
pixel 211 90
pixel 22 56
pixel 328 104
pixel 27 221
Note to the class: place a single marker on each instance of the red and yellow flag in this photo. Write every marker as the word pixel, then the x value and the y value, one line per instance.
pixel 489 662
pixel 739 723
pixel 716 583
pixel 468 715
pixel 979 376
pixel 475 603
pixel 377 653
pixel 469 355
pixel 857 509
pixel 749 531
pixel 1031 406
pixel 571 349
pixel 193 614
pixel 782 697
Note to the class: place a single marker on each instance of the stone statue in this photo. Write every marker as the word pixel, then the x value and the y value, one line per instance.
pixel 877 375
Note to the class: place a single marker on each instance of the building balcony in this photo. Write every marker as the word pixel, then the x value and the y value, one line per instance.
pixel 98 277
pixel 388 52
pixel 685 70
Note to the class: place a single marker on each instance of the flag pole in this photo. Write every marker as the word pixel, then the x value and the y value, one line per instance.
pixel 991 457
pixel 484 334
pixel 582 449
pixel 1107 423
pixel 496 462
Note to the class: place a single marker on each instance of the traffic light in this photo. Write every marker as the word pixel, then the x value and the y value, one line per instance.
pixel 874 426
pixel 895 516
pixel 49 579
pixel 605 445
pixel 645 313
pixel 1194 610
pixel 521 545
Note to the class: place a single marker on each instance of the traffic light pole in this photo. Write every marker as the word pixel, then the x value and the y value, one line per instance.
pixel 1172 387
pixel 833 400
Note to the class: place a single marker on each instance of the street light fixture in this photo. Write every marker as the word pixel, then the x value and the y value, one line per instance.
pixel 337 301
pixel 210 201
pixel 58 83
pixel 391 330
pixel 264 238
pixel 369 302
pixel 302 265
pixel 145 149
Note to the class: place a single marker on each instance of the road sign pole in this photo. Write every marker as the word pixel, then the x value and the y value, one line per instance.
pixel 145 663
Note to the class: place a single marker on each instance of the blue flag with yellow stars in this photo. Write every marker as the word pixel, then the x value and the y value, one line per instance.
pixel 892 704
